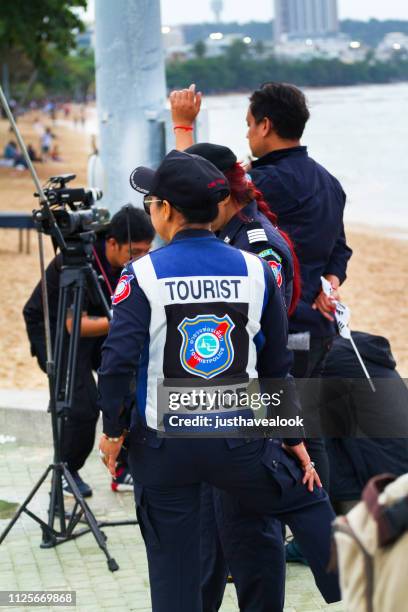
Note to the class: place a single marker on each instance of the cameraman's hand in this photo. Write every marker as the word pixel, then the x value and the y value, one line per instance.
pixel 91 327
pixel 185 105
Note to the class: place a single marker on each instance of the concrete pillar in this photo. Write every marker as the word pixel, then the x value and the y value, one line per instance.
pixel 130 93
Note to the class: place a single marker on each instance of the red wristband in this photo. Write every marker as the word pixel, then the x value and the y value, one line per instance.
pixel 187 128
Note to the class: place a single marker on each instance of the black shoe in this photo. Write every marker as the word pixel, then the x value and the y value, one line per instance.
pixel 84 488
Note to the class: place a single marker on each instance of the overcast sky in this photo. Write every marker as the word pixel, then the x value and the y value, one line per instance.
pixel 197 11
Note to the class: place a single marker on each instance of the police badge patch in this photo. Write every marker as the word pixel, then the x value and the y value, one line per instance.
pixel 206 349
pixel 274 261
pixel 277 271
pixel 123 289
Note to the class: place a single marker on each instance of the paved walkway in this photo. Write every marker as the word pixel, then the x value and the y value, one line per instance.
pixel 79 565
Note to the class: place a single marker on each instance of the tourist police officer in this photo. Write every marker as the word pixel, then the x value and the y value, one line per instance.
pixel 200 311
pixel 251 548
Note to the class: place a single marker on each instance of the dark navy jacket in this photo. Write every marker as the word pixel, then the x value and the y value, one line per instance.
pixel 309 203
pixel 243 232
pixel 349 405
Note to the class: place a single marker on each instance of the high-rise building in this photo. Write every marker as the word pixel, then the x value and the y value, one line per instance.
pixel 305 18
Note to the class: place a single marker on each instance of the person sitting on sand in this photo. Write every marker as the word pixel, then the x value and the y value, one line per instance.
pixel 32 153
pixel 9 155
pixel 10 150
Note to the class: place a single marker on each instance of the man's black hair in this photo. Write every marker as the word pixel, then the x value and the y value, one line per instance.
pixel 285 105
pixel 135 219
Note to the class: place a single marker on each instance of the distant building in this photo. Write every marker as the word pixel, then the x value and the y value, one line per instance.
pixel 217 43
pixel 305 19
pixel 174 44
pixel 340 47
pixel 172 36
pixel 86 39
pixel 393 44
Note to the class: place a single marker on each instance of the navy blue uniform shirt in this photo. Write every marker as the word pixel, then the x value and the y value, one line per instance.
pixel 309 203
pixel 244 231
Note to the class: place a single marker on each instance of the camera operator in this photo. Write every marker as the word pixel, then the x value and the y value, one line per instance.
pixel 111 251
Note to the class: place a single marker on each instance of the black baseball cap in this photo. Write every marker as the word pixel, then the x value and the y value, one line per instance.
pixel 222 157
pixel 185 180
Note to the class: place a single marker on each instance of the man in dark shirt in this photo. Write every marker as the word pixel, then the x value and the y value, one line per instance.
pixel 309 202
pixel 111 252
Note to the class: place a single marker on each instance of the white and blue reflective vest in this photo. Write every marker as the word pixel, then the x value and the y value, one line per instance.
pixel 195 309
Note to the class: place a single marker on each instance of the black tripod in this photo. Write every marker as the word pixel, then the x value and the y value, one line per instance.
pixel 77 278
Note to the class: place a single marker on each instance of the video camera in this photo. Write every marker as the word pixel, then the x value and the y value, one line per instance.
pixel 73 209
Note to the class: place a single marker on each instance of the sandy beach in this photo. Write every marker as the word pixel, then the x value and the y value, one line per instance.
pixel 376 287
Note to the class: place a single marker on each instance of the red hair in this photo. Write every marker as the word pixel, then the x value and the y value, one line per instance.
pixel 244 191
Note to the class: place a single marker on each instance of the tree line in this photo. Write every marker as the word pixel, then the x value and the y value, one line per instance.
pixel 36 43
pixel 73 76
pixel 236 71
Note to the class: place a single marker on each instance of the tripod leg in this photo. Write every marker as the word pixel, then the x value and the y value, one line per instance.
pixel 71 288
pixel 56 507
pixel 25 504
pixel 74 344
pixel 59 340
pixel 90 519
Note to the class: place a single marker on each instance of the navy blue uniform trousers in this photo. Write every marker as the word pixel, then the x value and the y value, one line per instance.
pixel 250 547
pixel 168 474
